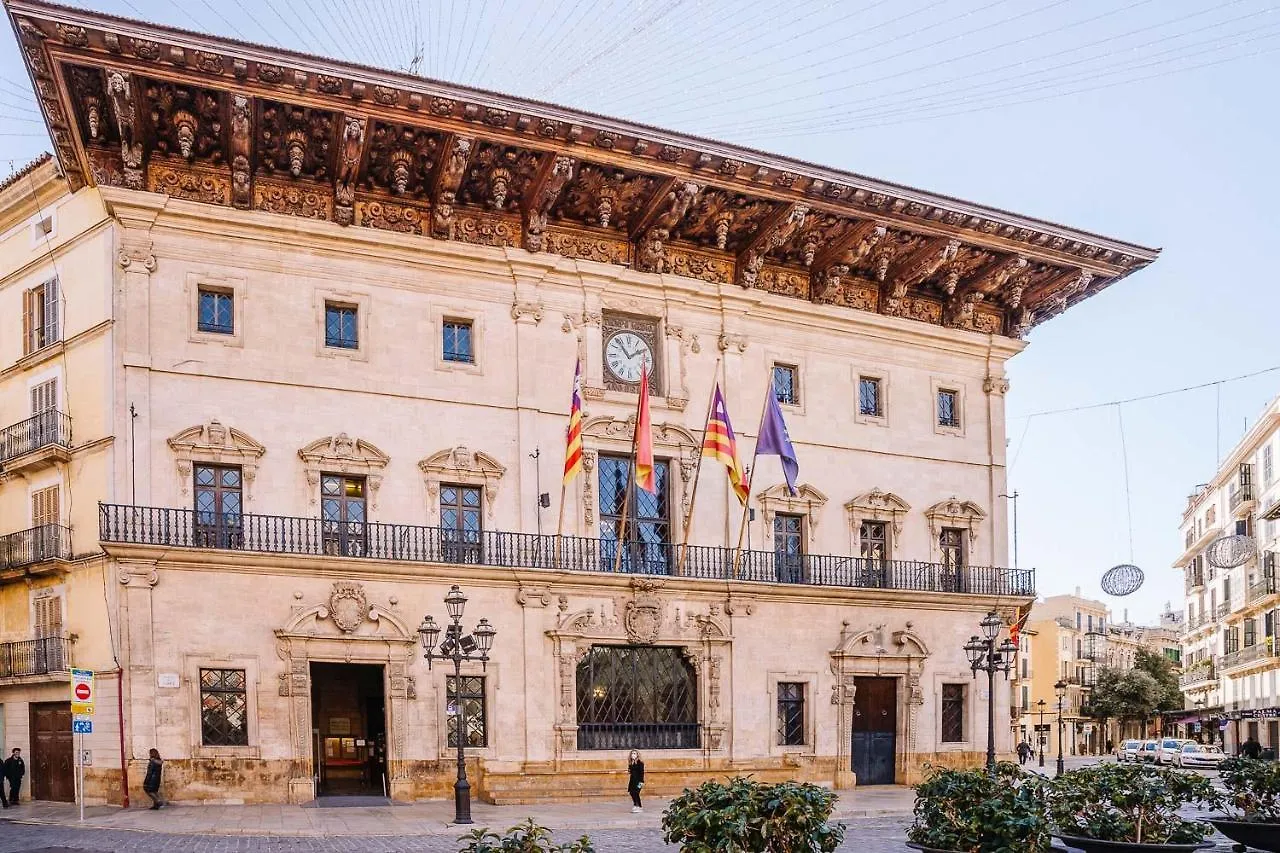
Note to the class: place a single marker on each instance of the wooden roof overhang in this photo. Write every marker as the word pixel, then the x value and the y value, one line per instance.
pixel 226 123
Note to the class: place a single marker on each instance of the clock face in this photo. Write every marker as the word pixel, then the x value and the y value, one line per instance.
pixel 625 353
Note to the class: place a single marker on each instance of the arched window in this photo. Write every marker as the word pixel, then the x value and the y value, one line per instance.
pixel 637 697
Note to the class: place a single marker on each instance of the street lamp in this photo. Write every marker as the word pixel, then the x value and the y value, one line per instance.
pixel 1061 690
pixel 458 647
pixel 1040 738
pixel 986 656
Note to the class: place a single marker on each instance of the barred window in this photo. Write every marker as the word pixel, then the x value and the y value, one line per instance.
pixel 869 404
pixel 791 713
pixel 340 326
pixel 953 713
pixel 469 705
pixel 948 408
pixel 457 341
pixel 786 384
pixel 637 697
pixel 224 715
pixel 215 312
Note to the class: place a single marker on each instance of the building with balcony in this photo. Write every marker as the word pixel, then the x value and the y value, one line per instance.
pixel 1230 684
pixel 316 326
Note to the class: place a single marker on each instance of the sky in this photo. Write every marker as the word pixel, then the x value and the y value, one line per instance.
pixel 1152 121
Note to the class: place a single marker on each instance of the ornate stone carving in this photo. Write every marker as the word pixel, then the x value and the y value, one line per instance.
pixel 878 505
pixel 704 267
pixel 120 92
pixel 576 244
pixel 465 466
pixel 670 208
pixel 486 229
pixel 642 617
pixel 186 121
pixel 307 201
pixel 806 501
pixel 915 268
pixel 345 455
pixel 350 149
pixel 588 493
pixel 401 159
pixel 348 606
pixel 773 233
pixel 389 216
pixel 533 596
pixel 603 197
pixel 241 140
pixel 203 185
pixel 498 176
pixel 448 178
pixel 542 195
pixel 955 513
pixel 295 141
pixel 996 385
pixel 215 444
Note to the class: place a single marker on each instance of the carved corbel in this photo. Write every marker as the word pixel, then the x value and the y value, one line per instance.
pixel 452 169
pixel 958 311
pixel 121 92
pixel 916 268
pixel 833 263
pixel 350 153
pixel 775 231
pixel 541 195
pixel 668 206
pixel 241 145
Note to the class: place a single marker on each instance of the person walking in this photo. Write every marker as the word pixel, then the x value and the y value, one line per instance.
pixel 1251 748
pixel 151 784
pixel 1024 752
pixel 14 769
pixel 635 780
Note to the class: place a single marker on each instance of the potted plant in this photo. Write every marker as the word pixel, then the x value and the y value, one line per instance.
pixel 527 837
pixel 752 817
pixel 974 811
pixel 1253 792
pixel 1129 808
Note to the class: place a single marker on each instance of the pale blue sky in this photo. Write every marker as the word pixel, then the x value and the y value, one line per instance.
pixel 1085 112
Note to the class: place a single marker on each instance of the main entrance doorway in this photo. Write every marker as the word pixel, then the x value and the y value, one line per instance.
pixel 349 728
pixel 875 730
pixel 52 753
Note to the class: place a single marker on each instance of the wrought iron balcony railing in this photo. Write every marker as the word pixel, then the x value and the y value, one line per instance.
pixel 1199 675
pixel 1262 650
pixel 1239 496
pixel 271 534
pixel 35 545
pixel 27 658
pixel 41 430
pixel 1261 589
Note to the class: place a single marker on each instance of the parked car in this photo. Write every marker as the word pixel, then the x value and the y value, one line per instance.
pixel 1148 752
pixel 1199 755
pixel 1129 750
pixel 1167 749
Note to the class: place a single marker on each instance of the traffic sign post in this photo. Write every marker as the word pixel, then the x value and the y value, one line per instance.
pixel 83 694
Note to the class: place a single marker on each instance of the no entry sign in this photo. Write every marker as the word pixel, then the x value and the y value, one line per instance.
pixel 82 692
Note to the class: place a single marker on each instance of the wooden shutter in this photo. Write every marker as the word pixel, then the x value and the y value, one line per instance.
pixel 50 316
pixel 44 506
pixel 28 297
pixel 44 397
pixel 48 612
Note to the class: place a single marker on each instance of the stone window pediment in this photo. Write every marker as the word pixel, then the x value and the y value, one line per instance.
pixel 807 501
pixel 463 466
pixel 955 513
pixel 215 444
pixel 877 505
pixel 342 454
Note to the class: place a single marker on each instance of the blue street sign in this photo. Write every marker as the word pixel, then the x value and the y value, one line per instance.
pixel 82 727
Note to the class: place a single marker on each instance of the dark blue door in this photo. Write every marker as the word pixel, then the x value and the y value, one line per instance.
pixel 875 727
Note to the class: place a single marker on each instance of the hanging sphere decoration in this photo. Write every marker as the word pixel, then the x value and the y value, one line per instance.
pixel 1122 580
pixel 1227 552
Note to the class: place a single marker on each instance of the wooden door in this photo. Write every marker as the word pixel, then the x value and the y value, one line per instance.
pixel 875 730
pixel 52 768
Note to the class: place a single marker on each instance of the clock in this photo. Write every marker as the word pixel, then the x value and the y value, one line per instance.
pixel 625 353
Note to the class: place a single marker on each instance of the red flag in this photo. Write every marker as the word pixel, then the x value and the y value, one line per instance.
pixel 719 443
pixel 573 442
pixel 644 438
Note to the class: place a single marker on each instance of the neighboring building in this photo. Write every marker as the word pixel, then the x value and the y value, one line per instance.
pixel 311 330
pixel 1069 644
pixel 1229 650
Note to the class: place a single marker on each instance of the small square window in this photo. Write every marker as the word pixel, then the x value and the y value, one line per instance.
pixel 340 326
pixel 786 384
pixel 948 408
pixel 216 312
pixel 953 701
pixel 870 402
pixel 458 341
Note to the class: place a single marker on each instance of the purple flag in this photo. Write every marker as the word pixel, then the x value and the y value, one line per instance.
pixel 774 441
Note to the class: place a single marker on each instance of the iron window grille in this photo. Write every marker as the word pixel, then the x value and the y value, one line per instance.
pixel 791 713
pixel 869 404
pixel 788 547
pixel 637 697
pixel 216 312
pixel 342 515
pixel 340 326
pixel 224 710
pixel 647 549
pixel 457 341
pixel 948 409
pixel 219 506
pixel 470 700
pixel 786 384
pixel 953 713
pixel 460 530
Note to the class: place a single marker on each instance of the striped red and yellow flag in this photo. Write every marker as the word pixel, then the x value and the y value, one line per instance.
pixel 645 478
pixel 573 439
pixel 719 443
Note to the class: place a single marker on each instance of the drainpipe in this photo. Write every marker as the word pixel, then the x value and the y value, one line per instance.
pixel 124 762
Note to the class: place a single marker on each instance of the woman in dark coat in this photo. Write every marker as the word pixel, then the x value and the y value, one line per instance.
pixel 635 780
pixel 151 784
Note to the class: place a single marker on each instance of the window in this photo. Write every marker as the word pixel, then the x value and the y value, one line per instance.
pixel 224 709
pixel 340 326
pixel 953 713
pixel 791 713
pixel 44 507
pixel 215 311
pixel 42 227
pixel 648 534
pixel 470 702
pixel 47 539
pixel 786 384
pixel 460 523
pixel 1090 623
pixel 873 539
pixel 457 341
pixel 45 423
pixel 49 647
pixel 218 506
pixel 40 316
pixel 48 616
pixel 1026 695
pixel 788 547
pixel 951 543
pixel 342 515
pixel 869 398
pixel 1079 624
pixel 948 408
pixel 1025 663
pixel 1268 467
pixel 1250 632
pixel 637 697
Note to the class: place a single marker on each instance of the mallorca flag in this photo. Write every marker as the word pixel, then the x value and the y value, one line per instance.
pixel 573 441
pixel 720 444
pixel 1019 622
pixel 644 438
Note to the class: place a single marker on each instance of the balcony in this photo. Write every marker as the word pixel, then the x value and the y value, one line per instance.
pixel 1262 589
pixel 34 548
pixel 1200 675
pixel 1222 611
pixel 34 658
pixel 271 534
pixel 1240 501
pixel 1195 580
pixel 1260 651
pixel 38 442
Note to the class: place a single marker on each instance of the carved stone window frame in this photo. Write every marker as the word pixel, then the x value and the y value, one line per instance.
pixel 877 505
pixel 465 467
pixel 957 387
pixel 671 442
pixel 361 302
pixel 492 674
pixel 234 285
pixel 807 501
pixel 796 362
pixel 190 692
pixel 213 443
pixel 444 313
pixel 342 454
pixel 954 512
pixel 881 375
pixel 810 681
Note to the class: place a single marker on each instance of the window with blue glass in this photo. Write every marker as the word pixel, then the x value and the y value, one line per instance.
pixel 458 341
pixel 648 528
pixel 216 312
pixel 786 384
pixel 460 523
pixel 948 408
pixel 340 326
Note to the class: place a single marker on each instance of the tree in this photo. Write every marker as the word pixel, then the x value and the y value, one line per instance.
pixel 1130 695
pixel 1161 669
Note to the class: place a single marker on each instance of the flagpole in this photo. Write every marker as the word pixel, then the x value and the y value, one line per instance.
pixel 751 478
pixel 626 501
pixel 697 471
pixel 564 491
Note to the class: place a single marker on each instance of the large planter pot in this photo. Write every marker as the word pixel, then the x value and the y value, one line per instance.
pixel 1094 845
pixel 924 849
pixel 1248 835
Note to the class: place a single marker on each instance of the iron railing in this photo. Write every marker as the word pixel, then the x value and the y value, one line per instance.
pixel 1261 589
pixel 1249 654
pixel 272 534
pixel 1198 675
pixel 40 430
pixel 35 545
pixel 26 658
pixel 639 736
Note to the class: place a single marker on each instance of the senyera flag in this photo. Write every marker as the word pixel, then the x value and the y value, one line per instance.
pixel 573 440
pixel 720 443
pixel 645 478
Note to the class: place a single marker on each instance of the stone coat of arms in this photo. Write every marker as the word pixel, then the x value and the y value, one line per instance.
pixel 348 606
pixel 642 618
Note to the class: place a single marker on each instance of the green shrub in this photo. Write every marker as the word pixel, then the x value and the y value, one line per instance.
pixel 973 811
pixel 745 816
pixel 1253 788
pixel 526 837
pixel 1130 802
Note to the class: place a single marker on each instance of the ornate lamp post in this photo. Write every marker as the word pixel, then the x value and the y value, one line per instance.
pixel 458 647
pixel 1061 690
pixel 1040 738
pixel 986 656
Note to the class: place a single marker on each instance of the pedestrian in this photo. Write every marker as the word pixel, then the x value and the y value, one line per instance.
pixel 635 780
pixel 151 784
pixel 1024 752
pixel 1251 748
pixel 14 769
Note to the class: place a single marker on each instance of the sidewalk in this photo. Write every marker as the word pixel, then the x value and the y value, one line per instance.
pixel 425 818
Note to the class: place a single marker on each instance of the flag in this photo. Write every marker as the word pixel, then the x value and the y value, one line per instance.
pixel 719 443
pixel 1019 622
pixel 573 438
pixel 644 438
pixel 774 441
